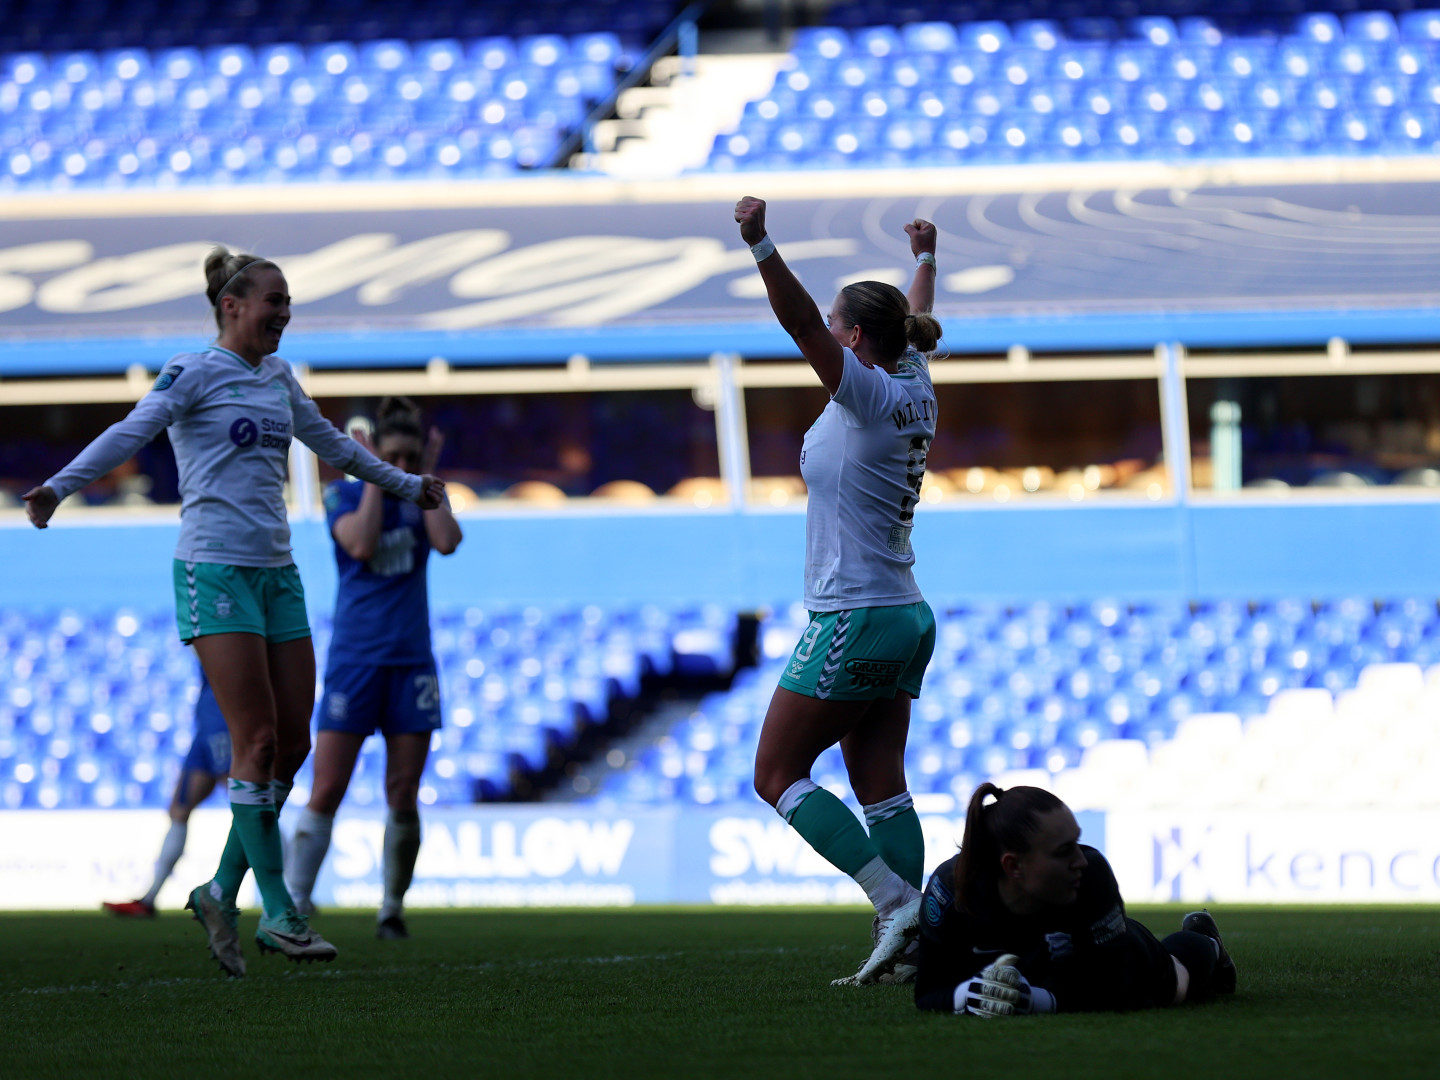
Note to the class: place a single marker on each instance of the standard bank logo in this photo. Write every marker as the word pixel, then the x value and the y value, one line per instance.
pixel 244 432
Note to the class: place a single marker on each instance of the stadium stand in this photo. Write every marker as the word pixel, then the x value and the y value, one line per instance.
pixel 95 708
pixel 1266 81
pixel 1075 697
pixel 273 113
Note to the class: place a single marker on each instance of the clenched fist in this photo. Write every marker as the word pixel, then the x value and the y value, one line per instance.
pixel 750 213
pixel 922 237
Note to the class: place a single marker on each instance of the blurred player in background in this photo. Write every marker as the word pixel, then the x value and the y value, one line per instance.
pixel 231 411
pixel 380 674
pixel 207 762
pixel 861 660
pixel 1026 919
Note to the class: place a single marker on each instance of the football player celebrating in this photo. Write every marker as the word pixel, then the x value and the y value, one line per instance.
pixel 861 660
pixel 231 411
pixel 1026 919
pixel 380 672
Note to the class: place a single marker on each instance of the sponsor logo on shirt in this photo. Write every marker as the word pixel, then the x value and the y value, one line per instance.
pixel 874 673
pixel 168 376
pixel 244 432
pixel 394 553
pixel 1110 927
pixel 275 434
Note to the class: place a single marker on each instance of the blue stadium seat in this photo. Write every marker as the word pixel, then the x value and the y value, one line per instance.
pixel 1421 26
pixel 1321 27
pixel 1376 27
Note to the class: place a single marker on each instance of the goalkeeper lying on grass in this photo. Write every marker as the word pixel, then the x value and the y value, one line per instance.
pixel 1026 919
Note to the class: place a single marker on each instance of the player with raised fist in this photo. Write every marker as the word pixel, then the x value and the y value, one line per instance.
pixel 860 662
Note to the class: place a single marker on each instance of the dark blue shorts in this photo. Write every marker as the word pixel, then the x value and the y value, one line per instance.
pixel 394 699
pixel 210 748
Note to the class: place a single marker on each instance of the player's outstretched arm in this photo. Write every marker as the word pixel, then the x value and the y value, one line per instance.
pixel 113 447
pixel 792 305
pixel 922 287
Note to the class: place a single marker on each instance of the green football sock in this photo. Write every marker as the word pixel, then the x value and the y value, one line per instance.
pixel 258 829
pixel 832 830
pixel 233 863
pixel 895 832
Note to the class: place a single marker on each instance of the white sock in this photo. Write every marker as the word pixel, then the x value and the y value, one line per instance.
pixel 307 852
pixel 886 889
pixel 402 847
pixel 170 852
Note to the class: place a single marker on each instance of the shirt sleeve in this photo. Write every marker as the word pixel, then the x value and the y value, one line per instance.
pixel 335 448
pixel 168 400
pixel 947 956
pixel 865 392
pixel 340 499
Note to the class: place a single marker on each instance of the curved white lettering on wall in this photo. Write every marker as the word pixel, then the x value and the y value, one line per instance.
pixel 427 260
pixel 17 291
pixel 575 281
pixel 127 281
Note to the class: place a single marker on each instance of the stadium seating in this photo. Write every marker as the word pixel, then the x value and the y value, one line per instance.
pixel 235 113
pixel 1086 89
pixel 1066 696
pixel 95 710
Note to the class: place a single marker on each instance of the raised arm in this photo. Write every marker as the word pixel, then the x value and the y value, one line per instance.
pixel 922 286
pixel 441 528
pixel 792 305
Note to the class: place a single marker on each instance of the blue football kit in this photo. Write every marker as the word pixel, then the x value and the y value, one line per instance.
pixel 380 673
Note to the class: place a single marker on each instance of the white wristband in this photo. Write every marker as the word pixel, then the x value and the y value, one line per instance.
pixel 925 258
pixel 763 250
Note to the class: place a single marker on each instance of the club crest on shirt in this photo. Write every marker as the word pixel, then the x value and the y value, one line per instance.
pixel 1060 945
pixel 223 606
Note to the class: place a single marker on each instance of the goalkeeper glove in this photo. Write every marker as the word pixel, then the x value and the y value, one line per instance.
pixel 1000 990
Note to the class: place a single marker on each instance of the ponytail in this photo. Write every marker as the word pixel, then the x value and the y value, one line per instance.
pixel 923 331
pixel 1008 824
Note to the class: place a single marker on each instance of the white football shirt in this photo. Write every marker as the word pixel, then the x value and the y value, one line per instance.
pixel 230 425
pixel 864 461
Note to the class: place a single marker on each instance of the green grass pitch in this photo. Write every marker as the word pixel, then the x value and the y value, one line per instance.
pixel 683 993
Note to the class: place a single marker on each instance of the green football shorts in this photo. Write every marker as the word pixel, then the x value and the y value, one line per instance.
pixel 862 654
pixel 215 598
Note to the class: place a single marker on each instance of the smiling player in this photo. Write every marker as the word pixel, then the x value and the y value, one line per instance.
pixel 1026 919
pixel 231 411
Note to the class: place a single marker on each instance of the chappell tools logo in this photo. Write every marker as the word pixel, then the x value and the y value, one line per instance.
pixel 874 673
